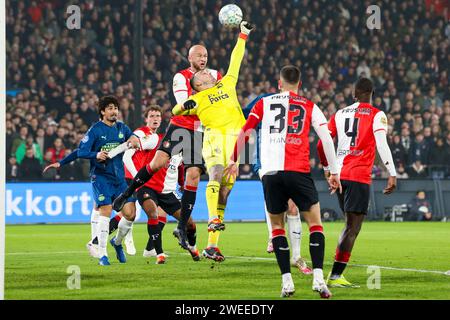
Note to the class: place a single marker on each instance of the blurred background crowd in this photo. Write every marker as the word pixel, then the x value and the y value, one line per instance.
pixel 55 75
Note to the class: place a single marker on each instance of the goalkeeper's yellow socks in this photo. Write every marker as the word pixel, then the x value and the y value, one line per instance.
pixel 213 238
pixel 212 198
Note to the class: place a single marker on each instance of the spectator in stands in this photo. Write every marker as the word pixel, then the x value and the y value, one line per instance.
pixel 398 151
pixel 52 174
pixel 12 169
pixel 29 144
pixel 417 170
pixel 401 172
pixel 420 149
pixel 22 138
pixel 71 171
pixel 57 151
pixel 30 169
pixel 419 208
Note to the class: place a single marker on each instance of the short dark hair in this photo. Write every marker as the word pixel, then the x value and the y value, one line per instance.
pixel 153 107
pixel 105 101
pixel 291 74
pixel 363 86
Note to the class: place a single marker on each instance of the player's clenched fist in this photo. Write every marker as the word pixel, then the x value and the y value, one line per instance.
pixel 246 27
pixel 189 104
pixel 102 156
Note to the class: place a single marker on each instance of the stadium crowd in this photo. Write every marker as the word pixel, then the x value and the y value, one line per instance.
pixel 55 75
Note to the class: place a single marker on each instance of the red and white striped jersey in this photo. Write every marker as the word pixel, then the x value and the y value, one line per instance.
pixel 286 120
pixel 354 127
pixel 182 90
pixel 167 178
pixel 141 157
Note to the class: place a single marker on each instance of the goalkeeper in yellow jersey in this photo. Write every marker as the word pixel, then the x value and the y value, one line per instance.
pixel 218 108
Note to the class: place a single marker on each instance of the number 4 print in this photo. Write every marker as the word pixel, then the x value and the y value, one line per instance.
pixel 354 133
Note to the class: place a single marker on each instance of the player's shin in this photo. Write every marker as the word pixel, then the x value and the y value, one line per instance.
pixel 103 232
pixel 295 234
pixel 317 250
pixel 281 248
pixel 154 232
pixel 340 262
pixel 192 234
pixel 94 223
pixel 123 228
pixel 187 204
pixel 114 223
pixel 143 175
pixel 212 198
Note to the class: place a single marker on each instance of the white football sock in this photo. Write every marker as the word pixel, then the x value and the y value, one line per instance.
pixel 95 214
pixel 287 277
pixel 295 234
pixel 102 234
pixel 122 231
pixel 318 275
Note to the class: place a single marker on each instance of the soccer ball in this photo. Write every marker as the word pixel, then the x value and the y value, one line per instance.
pixel 230 16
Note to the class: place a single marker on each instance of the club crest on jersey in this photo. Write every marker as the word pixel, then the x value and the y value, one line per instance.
pixel 121 135
pixel 101 197
pixel 166 144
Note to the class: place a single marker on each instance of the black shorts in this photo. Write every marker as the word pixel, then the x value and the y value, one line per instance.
pixel 167 201
pixel 354 197
pixel 285 185
pixel 178 139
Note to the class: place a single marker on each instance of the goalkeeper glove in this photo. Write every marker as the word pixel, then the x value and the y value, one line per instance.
pixel 189 104
pixel 246 27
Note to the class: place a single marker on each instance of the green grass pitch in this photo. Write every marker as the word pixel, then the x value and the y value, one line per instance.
pixel 37 258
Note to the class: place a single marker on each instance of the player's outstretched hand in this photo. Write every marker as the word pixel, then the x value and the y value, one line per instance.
pixel 55 165
pixel 246 27
pixel 391 185
pixel 189 104
pixel 102 156
pixel 335 183
pixel 231 171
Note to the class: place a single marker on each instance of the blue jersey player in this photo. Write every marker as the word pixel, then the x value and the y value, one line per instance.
pixel 92 245
pixel 107 175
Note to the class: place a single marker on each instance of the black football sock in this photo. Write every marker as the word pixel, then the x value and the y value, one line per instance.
pixel 154 233
pixel 281 249
pixel 187 205
pixel 114 223
pixel 139 180
pixel 192 235
pixel 317 246
pixel 340 262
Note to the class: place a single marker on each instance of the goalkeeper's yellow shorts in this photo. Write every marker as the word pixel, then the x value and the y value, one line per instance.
pixel 217 150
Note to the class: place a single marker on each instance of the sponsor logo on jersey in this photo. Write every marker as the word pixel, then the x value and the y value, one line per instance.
pixel 355 153
pixel 109 146
pixel 289 140
pixel 85 139
pixel 216 98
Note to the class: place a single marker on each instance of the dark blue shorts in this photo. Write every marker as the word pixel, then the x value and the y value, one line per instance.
pixel 106 190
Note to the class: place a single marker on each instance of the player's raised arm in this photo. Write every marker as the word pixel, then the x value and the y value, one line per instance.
pixel 238 52
pixel 379 132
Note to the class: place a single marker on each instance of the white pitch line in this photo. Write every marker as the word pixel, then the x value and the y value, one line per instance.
pixel 447 273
